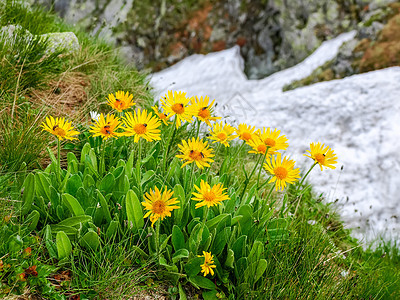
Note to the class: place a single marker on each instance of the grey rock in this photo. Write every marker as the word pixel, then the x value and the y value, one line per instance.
pixel 65 42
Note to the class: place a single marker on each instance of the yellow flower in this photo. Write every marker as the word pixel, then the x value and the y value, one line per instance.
pixel 161 116
pixel 245 132
pixel 283 171
pixel 142 124
pixel 106 127
pixel 272 139
pixel 208 195
pixel 208 266
pixel 159 204
pixel 222 133
pixel 121 101
pixel 258 146
pixel 196 151
pixel 202 110
pixel 323 156
pixel 60 128
pixel 177 104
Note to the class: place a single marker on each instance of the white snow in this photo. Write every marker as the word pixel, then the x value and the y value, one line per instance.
pixel 357 116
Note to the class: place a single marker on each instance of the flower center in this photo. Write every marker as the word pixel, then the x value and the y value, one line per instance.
pixel 209 196
pixel 162 116
pixel 140 128
pixel 269 142
pixel 158 207
pixel 178 108
pixel 222 136
pixel 106 130
pixel 280 172
pixel 195 155
pixel 59 131
pixel 261 148
pixel 204 113
pixel 246 136
pixel 320 158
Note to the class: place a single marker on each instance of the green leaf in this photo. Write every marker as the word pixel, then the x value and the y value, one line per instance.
pixel 112 229
pixel 48 240
pixel 210 295
pixel 230 259
pixel 256 252
pixel 178 240
pixel 42 186
pixel 182 295
pixel 220 241
pixel 28 194
pixel 74 221
pixel 202 282
pixel 107 184
pixel 241 266
pixel 129 164
pixel 69 230
pixel 181 253
pixel 88 181
pixel 32 220
pixel 179 193
pixel 64 247
pixel 90 240
pixel 211 224
pixel 72 163
pixel 260 269
pixel 134 211
pixel 73 184
pixel 104 206
pixel 73 205
pixel 85 151
pixel 140 251
pixel 239 247
pixel 192 267
pixel 246 222
pixel 147 176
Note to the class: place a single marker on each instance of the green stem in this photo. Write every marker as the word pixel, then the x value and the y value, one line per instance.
pixel 138 165
pixel 205 214
pixel 261 165
pixel 158 223
pixel 102 161
pixel 59 159
pixel 167 145
pixel 216 152
pixel 190 182
pixel 236 154
pixel 246 182
pixel 308 172
pixel 198 129
pixel 269 194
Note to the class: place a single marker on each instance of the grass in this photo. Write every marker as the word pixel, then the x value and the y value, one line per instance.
pixel 305 260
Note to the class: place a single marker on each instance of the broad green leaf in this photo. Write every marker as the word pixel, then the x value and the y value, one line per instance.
pixel 88 181
pixel 134 211
pixel 73 205
pixel 85 150
pixel 202 282
pixel 211 224
pixel 230 259
pixel 72 163
pixel 64 247
pixel 260 269
pixel 181 253
pixel 246 222
pixel 182 294
pixel 73 184
pixel 107 184
pixel 256 252
pixel 178 240
pixel 210 295
pixel 69 230
pixel 32 220
pixel 192 267
pixel 90 240
pixel 112 229
pixel 179 193
pixel 74 221
pixel 239 247
pixel 104 206
pixel 147 176
pixel 42 186
pixel 48 240
pixel 140 251
pixel 28 194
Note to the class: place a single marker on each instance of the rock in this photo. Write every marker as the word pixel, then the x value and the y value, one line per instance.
pixel 65 42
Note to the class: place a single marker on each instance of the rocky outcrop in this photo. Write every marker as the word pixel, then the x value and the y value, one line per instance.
pixel 272 34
